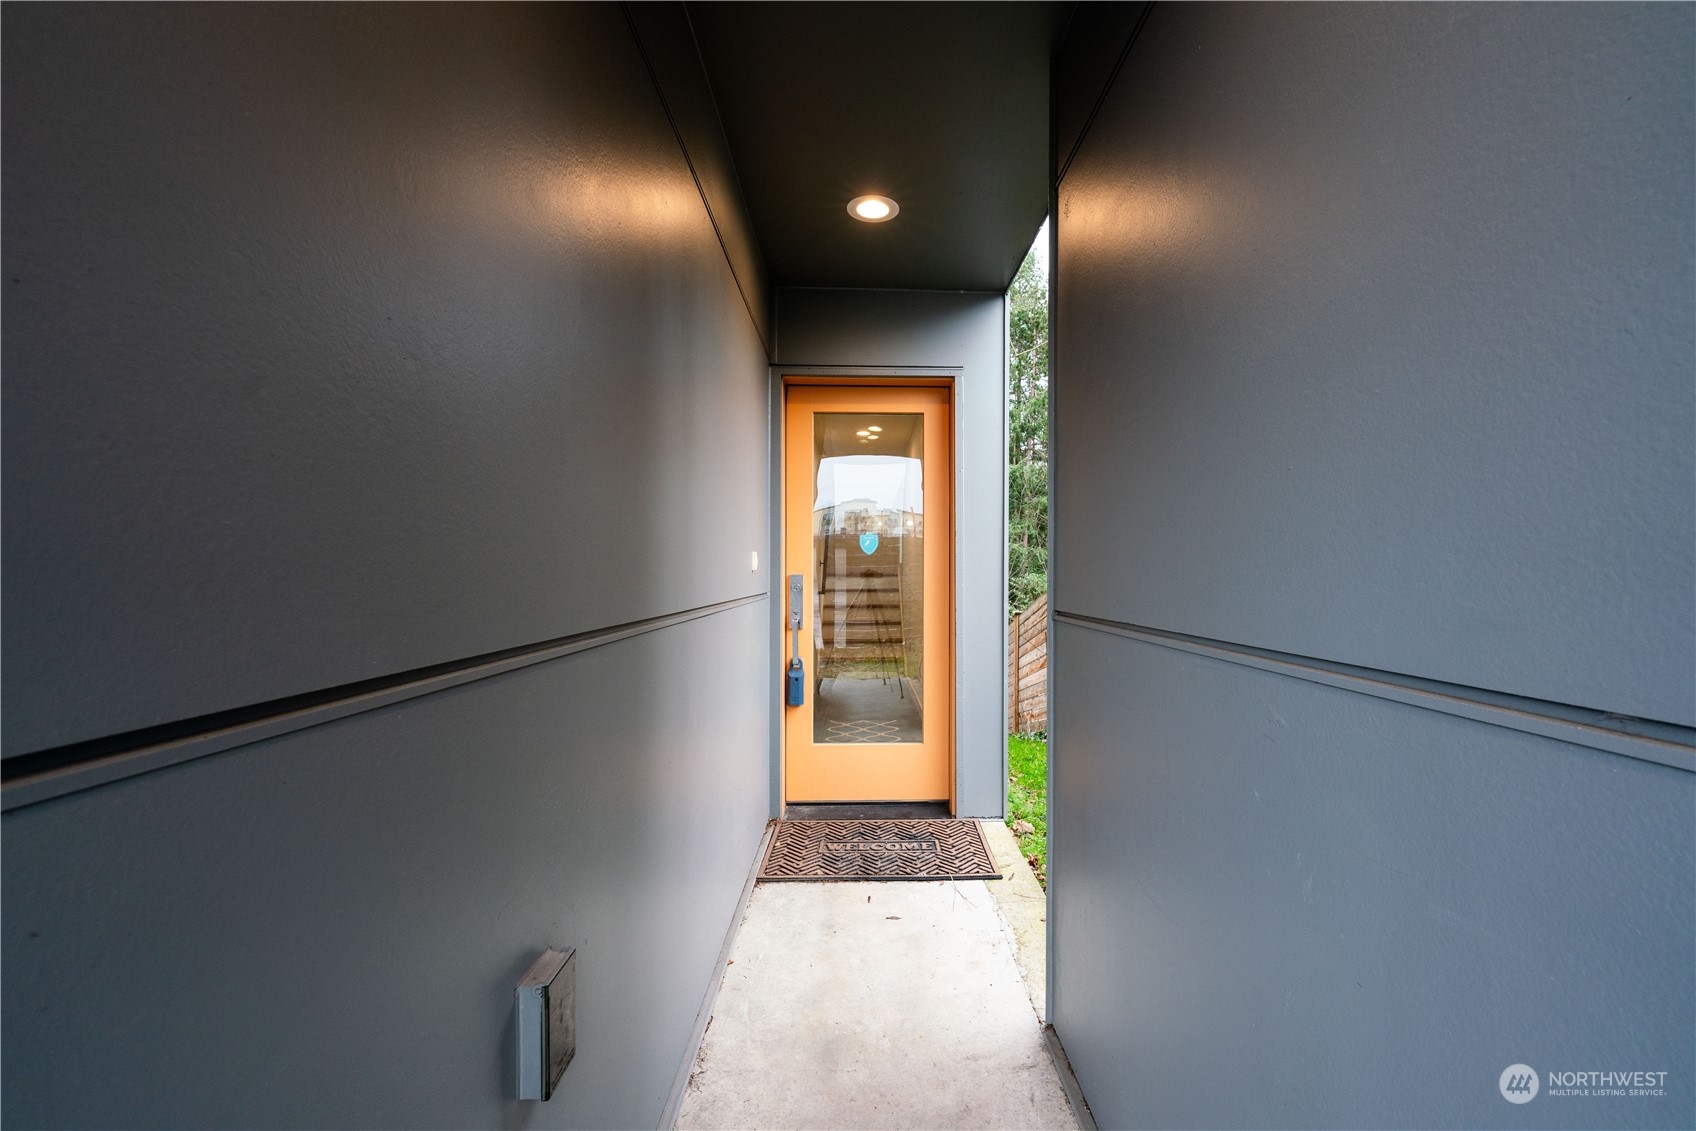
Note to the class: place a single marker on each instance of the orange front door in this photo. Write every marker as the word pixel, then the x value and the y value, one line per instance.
pixel 868 528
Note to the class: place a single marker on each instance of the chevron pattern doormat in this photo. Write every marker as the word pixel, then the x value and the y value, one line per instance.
pixel 878 850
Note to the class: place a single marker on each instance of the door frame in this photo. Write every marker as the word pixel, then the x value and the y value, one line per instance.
pixel 849 376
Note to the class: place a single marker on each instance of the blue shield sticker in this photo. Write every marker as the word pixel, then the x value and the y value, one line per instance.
pixel 868 543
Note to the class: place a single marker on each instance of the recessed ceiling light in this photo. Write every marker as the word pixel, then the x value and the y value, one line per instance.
pixel 862 432
pixel 873 209
pixel 873 428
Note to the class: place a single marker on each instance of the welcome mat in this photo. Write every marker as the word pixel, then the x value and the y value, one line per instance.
pixel 878 850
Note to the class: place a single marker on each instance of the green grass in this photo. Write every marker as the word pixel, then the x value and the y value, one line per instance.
pixel 1027 798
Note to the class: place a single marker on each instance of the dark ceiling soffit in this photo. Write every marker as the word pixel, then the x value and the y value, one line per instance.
pixel 791 83
pixel 997 291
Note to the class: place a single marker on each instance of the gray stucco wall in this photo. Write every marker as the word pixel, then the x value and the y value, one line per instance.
pixel 1285 904
pixel 324 930
pixel 342 343
pixel 847 333
pixel 372 343
pixel 1375 662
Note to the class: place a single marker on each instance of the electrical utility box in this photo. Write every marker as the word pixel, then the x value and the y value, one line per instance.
pixel 547 1023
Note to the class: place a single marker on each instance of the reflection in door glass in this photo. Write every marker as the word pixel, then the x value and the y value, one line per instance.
pixel 868 559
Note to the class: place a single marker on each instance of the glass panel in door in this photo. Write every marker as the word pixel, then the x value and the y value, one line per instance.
pixel 868 565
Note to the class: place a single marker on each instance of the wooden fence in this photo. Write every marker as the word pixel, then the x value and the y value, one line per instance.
pixel 1027 669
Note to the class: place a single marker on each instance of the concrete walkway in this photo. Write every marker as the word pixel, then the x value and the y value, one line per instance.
pixel 872 1005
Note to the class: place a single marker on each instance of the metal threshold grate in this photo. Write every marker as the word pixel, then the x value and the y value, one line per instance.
pixel 878 850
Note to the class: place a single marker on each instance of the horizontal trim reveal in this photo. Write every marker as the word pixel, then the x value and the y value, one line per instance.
pixel 28 779
pixel 1646 740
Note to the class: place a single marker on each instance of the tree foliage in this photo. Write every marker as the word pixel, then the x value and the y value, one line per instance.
pixel 1027 436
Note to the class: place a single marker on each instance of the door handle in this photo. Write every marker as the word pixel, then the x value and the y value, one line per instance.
pixel 795 677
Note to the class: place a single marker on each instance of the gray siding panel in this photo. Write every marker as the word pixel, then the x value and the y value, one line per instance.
pixel 1280 904
pixel 341 341
pixel 1375 345
pixel 668 42
pixel 1391 363
pixel 964 331
pixel 324 930
pixel 1096 38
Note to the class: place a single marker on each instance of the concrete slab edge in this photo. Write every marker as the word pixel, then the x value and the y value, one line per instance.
pixel 1068 1080
pixel 1023 910
pixel 680 1085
